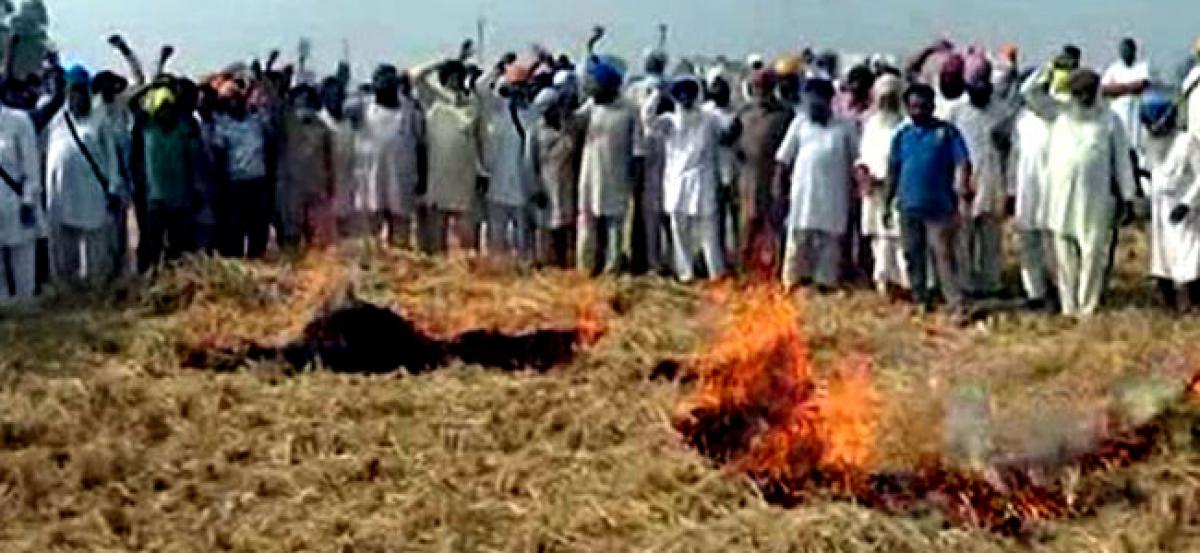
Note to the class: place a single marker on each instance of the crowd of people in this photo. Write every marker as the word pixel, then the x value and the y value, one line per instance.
pixel 908 175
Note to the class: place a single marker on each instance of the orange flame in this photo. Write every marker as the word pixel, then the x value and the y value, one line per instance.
pixel 757 406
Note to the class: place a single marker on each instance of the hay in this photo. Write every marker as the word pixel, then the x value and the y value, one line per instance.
pixel 106 443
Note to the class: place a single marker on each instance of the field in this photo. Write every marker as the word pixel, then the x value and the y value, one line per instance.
pixel 108 442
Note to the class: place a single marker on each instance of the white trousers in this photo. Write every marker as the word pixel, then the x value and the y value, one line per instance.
pixel 1036 245
pixel 18 262
pixel 685 231
pixel 84 255
pixel 812 254
pixel 1082 266
pixel 890 265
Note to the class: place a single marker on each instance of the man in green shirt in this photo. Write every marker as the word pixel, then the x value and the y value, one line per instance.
pixel 163 151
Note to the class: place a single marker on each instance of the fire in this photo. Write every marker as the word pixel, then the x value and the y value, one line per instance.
pixel 758 407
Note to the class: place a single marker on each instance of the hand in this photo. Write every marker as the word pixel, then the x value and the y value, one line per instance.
pixel 166 52
pixel 271 59
pixel 1179 213
pixel 117 41
pixel 467 50
pixel 887 218
pixel 597 34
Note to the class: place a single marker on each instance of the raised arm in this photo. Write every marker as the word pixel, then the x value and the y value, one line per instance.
pixel 136 73
pixel 1036 91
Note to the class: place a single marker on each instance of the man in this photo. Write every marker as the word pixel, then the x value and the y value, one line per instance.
pixel 81 173
pixel 162 165
pixel 244 159
pixel 929 170
pixel 509 161
pixel 21 220
pixel 394 132
pixel 350 222
pixel 608 169
pixel 1174 162
pixel 112 108
pixel 691 138
pixel 1123 84
pixel 764 123
pixel 455 138
pixel 1090 176
pixel 1029 177
pixel 818 153
pixel 559 138
pixel 719 94
pixel 306 175
pixel 1191 92
pixel 889 272
pixel 652 237
pixel 981 121
pixel 852 104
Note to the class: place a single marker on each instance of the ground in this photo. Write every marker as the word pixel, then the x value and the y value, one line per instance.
pixel 108 442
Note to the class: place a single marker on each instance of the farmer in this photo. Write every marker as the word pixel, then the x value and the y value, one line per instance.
pixel 164 152
pixel 392 168
pixel 1090 178
pixel 82 173
pixel 691 138
pixel 243 160
pixel 719 102
pixel 889 271
pixel 1174 161
pixel 818 154
pixel 929 171
pixel 306 174
pixel 21 218
pixel 611 145
pixel 764 123
pixel 512 179
pixel 455 135
pixel 1123 84
pixel 980 120
pixel 559 137
pixel 1028 174
pixel 653 236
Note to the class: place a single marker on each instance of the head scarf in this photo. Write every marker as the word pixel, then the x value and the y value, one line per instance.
pixel 157 98
pixel 1156 107
pixel 886 84
pixel 77 75
pixel 977 69
pixel 605 74
pixel 789 65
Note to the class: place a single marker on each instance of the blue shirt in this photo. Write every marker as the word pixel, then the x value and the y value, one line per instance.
pixel 924 160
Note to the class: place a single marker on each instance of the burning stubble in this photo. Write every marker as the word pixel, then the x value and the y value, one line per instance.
pixel 757 408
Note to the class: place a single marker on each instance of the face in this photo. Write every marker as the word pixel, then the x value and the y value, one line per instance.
pixel 819 108
pixel 860 84
pixel 1085 98
pixel 920 109
pixel 79 99
pixel 167 115
pixel 888 102
pixel 686 94
pixel 980 94
pixel 333 97
pixel 952 84
pixel 1128 51
pixel 719 92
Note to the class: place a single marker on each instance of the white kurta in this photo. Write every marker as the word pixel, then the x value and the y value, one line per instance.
pixel 19 155
pixel 726 159
pixel 389 163
pixel 345 184
pixel 691 140
pixel 822 158
pixel 1128 108
pixel 75 197
pixel 612 139
pixel 978 127
pixel 508 154
pixel 1031 140
pixel 1175 248
pixel 1088 155
pixel 875 148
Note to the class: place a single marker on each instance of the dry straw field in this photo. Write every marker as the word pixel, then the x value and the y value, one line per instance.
pixel 110 441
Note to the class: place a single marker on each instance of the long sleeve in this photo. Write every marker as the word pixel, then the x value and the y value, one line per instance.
pixel 1191 197
pixel 31 161
pixel 1037 95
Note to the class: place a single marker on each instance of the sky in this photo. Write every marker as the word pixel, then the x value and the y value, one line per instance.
pixel 211 33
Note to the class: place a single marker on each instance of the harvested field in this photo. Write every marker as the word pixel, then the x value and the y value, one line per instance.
pixel 113 438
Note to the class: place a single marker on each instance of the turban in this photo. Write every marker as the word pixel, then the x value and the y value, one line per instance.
pixel 605 74
pixel 157 98
pixel 789 65
pixel 763 79
pixel 952 65
pixel 978 69
pixel 1156 107
pixel 887 84
pixel 77 75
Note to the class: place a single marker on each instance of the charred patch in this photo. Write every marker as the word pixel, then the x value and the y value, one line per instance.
pixel 362 338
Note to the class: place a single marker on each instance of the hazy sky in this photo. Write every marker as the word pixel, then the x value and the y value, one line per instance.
pixel 210 33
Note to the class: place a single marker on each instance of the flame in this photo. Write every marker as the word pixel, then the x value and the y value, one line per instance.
pixel 758 407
